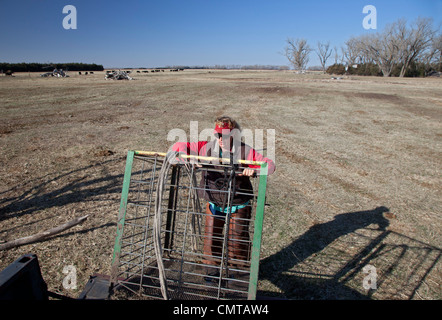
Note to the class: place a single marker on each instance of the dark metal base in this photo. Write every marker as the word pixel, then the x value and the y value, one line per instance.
pixel 22 280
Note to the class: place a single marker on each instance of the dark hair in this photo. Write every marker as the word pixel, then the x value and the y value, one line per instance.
pixel 225 119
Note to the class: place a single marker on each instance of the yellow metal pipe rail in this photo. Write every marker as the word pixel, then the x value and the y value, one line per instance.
pixel 195 157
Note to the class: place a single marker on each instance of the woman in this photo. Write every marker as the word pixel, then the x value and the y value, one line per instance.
pixel 216 180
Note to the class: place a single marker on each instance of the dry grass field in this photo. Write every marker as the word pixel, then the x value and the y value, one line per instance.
pixel 358 178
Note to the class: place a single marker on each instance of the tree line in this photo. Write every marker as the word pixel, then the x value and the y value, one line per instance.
pixel 229 67
pixel 401 49
pixel 45 67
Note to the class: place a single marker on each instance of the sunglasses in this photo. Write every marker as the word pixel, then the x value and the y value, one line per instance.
pixel 224 136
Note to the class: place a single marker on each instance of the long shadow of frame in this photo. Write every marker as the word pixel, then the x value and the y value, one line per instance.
pixel 78 187
pixel 327 262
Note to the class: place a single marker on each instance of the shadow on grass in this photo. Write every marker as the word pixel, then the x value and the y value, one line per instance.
pixel 338 273
pixel 77 187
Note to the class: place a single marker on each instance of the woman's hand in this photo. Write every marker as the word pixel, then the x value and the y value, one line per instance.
pixel 248 172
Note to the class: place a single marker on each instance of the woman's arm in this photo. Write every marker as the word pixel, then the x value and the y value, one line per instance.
pixel 190 148
pixel 253 155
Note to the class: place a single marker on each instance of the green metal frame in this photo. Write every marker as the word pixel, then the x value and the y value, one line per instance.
pixel 257 235
pixel 122 214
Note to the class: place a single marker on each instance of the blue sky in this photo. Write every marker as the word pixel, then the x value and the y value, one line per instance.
pixel 155 33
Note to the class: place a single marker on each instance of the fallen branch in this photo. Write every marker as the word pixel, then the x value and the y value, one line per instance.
pixel 42 235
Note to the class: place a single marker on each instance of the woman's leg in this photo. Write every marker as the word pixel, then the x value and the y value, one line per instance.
pixel 239 240
pixel 213 238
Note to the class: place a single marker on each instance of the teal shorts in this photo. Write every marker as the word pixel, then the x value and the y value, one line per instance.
pixel 218 211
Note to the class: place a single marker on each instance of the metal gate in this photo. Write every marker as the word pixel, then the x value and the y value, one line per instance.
pixel 161 232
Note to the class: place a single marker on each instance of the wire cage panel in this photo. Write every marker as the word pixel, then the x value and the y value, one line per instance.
pixel 169 244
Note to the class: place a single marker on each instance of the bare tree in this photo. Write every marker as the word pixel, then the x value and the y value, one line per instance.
pixel 336 55
pixel 398 45
pixel 432 58
pixel 382 48
pixel 352 51
pixel 436 51
pixel 297 52
pixel 414 42
pixel 323 53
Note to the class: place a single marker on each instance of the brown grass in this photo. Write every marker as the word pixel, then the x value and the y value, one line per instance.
pixel 345 150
